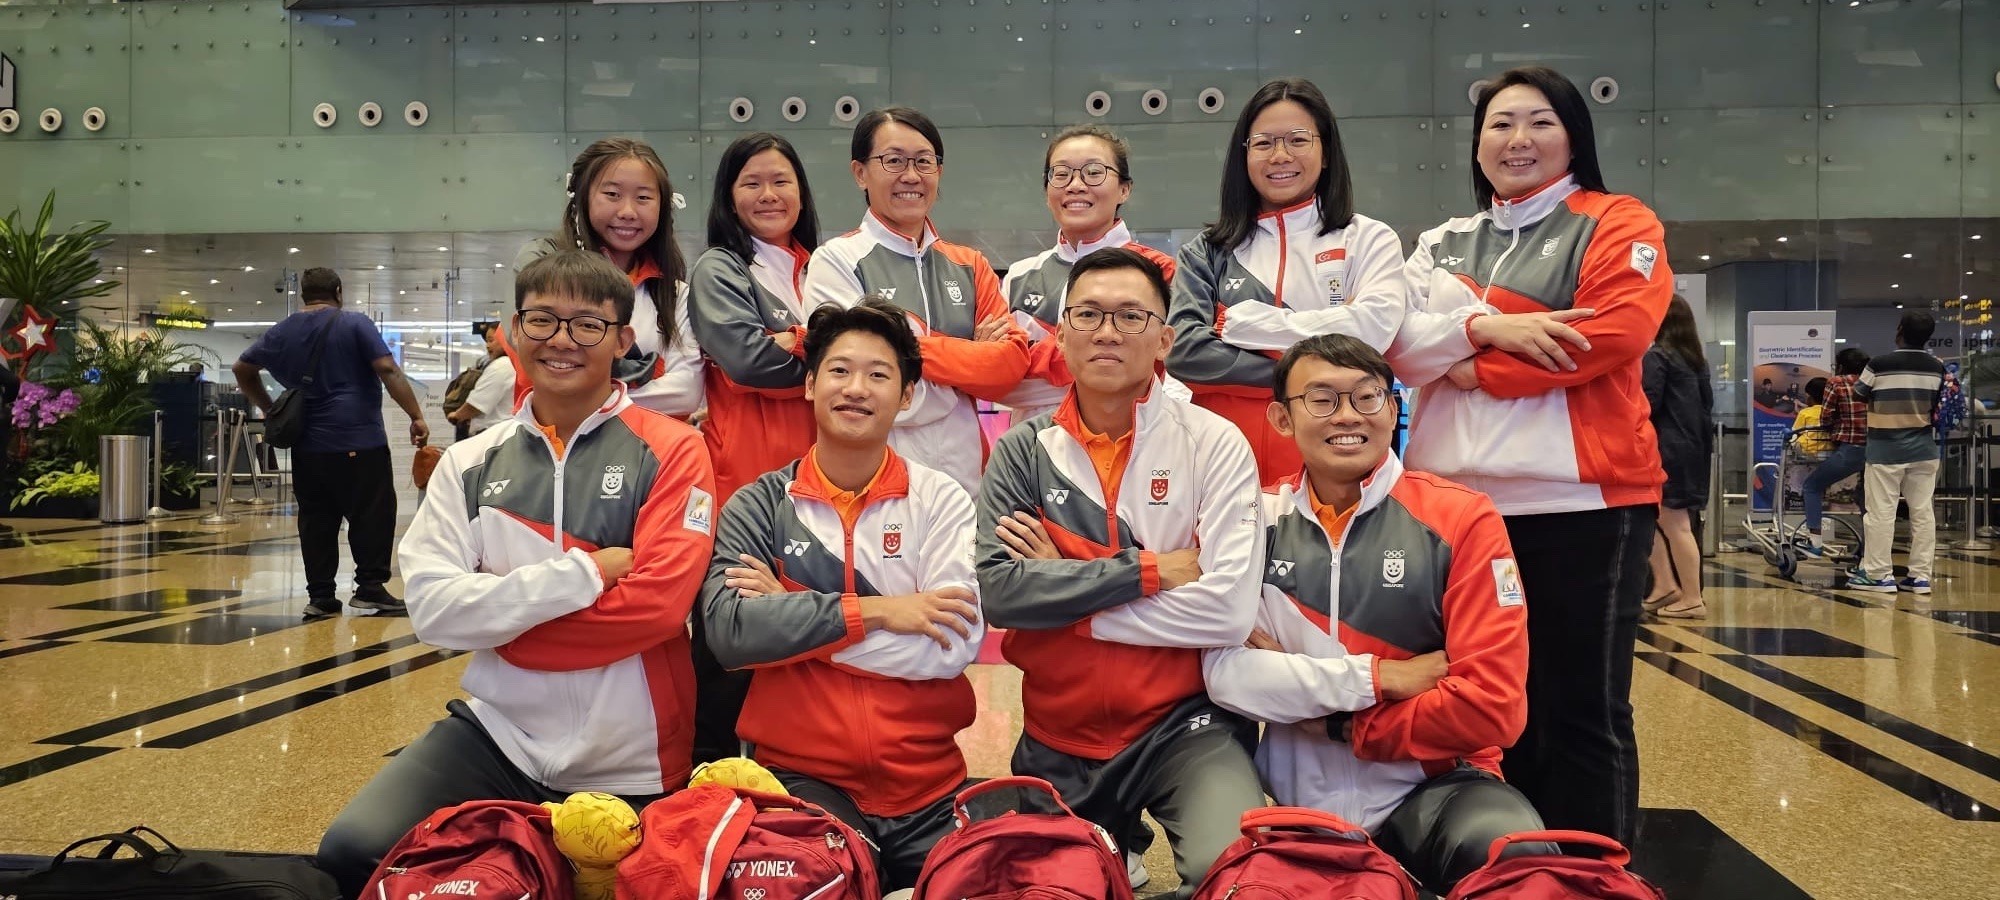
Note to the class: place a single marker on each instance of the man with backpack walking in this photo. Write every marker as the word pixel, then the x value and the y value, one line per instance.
pixel 340 468
pixel 1391 649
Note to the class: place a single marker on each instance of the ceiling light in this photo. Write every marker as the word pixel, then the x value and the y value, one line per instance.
pixel 1704 257
pixel 147 250
pixel 1895 285
pixel 1909 256
pixel 215 281
pixel 287 293
pixel 499 265
pixel 118 268
pixel 249 268
pixel 184 293
pixel 101 281
pixel 1782 239
pixel 231 309
pixel 400 293
pixel 260 303
pixel 295 250
pixel 444 249
pixel 1975 237
pixel 1899 306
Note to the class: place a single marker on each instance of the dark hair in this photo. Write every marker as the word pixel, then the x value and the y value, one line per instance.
pixel 876 315
pixel 319 285
pixel 864 130
pixel 1678 334
pixel 1570 109
pixel 1121 151
pixel 1240 201
pixel 660 248
pixel 1345 351
pixel 583 274
pixel 1851 361
pixel 1915 330
pixel 1816 390
pixel 725 229
pixel 1111 258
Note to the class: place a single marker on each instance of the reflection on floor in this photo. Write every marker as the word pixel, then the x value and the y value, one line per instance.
pixel 1800 742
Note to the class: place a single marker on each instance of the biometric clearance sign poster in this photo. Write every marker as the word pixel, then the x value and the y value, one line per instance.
pixel 1787 349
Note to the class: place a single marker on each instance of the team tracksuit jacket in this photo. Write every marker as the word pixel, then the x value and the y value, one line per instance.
pixel 1035 288
pixel 584 686
pixel 1104 651
pixel 947 289
pixel 758 418
pixel 874 714
pixel 1235 312
pixel 1422 564
pixel 1538 441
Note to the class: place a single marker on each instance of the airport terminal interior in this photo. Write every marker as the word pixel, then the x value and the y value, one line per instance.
pixel 1819 164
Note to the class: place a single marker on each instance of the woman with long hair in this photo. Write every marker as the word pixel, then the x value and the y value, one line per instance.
pixel 621 204
pixel 971 347
pixel 1086 180
pixel 1286 259
pixel 1683 403
pixel 1527 323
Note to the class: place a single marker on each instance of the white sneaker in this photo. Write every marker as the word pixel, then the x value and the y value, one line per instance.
pixel 1135 869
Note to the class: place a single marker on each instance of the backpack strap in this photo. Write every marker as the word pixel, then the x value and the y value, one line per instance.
pixel 1019 782
pixel 1613 852
pixel 1295 818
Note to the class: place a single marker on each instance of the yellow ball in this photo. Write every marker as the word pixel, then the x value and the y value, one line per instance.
pixel 594 829
pixel 738 772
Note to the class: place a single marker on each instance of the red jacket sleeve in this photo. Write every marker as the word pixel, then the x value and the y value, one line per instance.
pixel 988 370
pixel 1629 295
pixel 1482 700
pixel 671 541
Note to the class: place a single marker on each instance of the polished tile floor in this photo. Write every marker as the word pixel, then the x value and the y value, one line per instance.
pixel 1801 742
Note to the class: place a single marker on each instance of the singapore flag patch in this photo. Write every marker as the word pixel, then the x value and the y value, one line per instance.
pixel 1643 257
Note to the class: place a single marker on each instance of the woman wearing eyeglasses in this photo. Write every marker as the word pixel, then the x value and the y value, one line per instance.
pixel 1287 259
pixel 1550 420
pixel 1087 177
pixel 971 347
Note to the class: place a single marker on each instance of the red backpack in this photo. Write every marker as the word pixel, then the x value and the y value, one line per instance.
pixel 712 842
pixel 1556 877
pixel 1052 855
pixel 1296 857
pixel 491 849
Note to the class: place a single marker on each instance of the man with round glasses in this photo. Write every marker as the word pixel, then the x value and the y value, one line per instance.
pixel 1390 653
pixel 564 550
pixel 1119 537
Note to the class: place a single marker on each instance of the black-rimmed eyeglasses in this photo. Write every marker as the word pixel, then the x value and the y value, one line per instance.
pixel 1130 320
pixel 586 331
pixel 1093 174
pixel 897 163
pixel 1323 402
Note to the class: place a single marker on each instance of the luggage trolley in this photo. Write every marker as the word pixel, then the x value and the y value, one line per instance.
pixel 1781 532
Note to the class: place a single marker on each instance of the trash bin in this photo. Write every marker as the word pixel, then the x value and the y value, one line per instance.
pixel 121 471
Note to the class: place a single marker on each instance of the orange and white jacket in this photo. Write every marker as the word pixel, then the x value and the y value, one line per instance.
pixel 874 714
pixel 1538 441
pixel 947 289
pixel 1422 564
pixel 1035 289
pixel 758 418
pixel 585 686
pixel 1105 653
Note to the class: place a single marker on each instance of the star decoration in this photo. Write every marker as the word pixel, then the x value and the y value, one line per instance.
pixel 33 334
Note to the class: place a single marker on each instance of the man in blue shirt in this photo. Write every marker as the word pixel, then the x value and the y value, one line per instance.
pixel 340 468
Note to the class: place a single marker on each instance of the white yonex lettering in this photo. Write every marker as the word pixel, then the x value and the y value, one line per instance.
pixel 764 868
pixel 464 887
pixel 1198 722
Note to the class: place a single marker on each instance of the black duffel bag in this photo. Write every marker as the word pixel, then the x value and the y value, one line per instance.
pixel 166 872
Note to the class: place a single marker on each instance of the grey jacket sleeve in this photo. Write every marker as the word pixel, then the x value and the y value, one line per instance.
pixel 728 324
pixel 774 629
pixel 1199 355
pixel 1038 593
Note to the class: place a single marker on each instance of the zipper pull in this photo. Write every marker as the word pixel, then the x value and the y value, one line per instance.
pixel 835 841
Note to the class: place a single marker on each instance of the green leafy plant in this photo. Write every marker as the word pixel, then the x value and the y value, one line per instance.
pixel 111 372
pixel 178 479
pixel 80 482
pixel 45 270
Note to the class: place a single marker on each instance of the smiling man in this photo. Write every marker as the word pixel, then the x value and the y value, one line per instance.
pixel 564 548
pixel 844 580
pixel 1120 536
pixel 1391 649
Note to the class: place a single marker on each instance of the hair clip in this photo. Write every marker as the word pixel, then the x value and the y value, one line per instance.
pixel 679 201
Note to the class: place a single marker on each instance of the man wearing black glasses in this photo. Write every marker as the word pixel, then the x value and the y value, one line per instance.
pixel 564 548
pixel 1119 537
pixel 1391 648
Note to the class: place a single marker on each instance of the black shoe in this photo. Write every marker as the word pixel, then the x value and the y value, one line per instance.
pixel 321 609
pixel 380 600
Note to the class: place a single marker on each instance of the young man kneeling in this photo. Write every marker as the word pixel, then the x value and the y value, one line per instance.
pixel 845 581
pixel 573 593
pixel 1391 649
